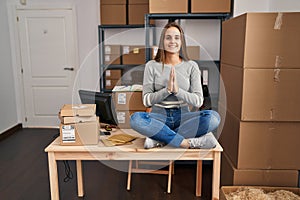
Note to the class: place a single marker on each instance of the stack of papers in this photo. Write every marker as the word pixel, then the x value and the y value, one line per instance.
pixel 128 88
pixel 118 139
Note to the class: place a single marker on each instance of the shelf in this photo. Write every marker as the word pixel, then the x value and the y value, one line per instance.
pixel 122 26
pixel 188 16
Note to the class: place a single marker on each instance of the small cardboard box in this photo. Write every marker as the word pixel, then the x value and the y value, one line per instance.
pixel 78 119
pixel 113 74
pixel 128 101
pixel 168 6
pixel 225 190
pixel 112 54
pixel 111 83
pixel 69 110
pixel 86 133
pixel 133 55
pixel 210 6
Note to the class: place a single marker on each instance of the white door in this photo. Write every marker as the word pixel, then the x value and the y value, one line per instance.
pixel 48 57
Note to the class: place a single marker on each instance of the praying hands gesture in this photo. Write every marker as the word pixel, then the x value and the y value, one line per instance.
pixel 172 83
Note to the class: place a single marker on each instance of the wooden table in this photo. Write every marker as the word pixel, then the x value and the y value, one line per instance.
pixel 134 151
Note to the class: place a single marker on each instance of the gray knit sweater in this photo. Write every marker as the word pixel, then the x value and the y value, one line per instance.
pixel 156 81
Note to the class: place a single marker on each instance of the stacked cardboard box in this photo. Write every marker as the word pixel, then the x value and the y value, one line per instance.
pixel 189 6
pixel 122 12
pixel 260 68
pixel 112 78
pixel 127 100
pixel 113 12
pixel 79 124
pixel 137 10
pixel 133 54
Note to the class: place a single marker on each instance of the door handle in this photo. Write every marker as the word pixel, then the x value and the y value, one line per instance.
pixel 69 68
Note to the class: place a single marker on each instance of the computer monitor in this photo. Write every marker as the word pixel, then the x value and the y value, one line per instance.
pixel 104 105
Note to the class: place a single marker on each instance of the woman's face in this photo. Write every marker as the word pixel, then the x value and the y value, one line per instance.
pixel 172 40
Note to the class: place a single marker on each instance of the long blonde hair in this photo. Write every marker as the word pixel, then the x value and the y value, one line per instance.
pixel 161 56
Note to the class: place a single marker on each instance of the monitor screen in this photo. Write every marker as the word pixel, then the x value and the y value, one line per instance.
pixel 104 105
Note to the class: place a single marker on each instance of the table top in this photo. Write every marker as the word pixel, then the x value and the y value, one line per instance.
pixel 136 146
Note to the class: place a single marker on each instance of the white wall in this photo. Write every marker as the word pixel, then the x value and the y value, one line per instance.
pixel 88 19
pixel 243 6
pixel 286 5
pixel 8 108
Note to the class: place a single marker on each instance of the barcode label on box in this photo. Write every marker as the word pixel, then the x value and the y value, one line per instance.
pixel 205 77
pixel 107 49
pixel 121 117
pixel 122 98
pixel 107 58
pixel 68 134
pixel 107 73
pixel 126 50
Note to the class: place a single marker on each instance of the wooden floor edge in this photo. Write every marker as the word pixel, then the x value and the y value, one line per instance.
pixel 10 131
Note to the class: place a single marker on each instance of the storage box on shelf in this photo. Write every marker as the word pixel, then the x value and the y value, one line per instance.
pixel 112 78
pixel 210 6
pixel 133 54
pixel 113 12
pixel 168 6
pixel 137 10
pixel 112 54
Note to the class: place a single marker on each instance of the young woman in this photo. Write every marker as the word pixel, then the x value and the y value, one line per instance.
pixel 171 83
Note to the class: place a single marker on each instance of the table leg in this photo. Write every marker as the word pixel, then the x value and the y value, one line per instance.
pixel 216 175
pixel 129 174
pixel 199 178
pixel 53 176
pixel 79 178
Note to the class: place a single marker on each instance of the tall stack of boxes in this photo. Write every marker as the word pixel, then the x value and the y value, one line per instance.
pixel 260 68
pixel 79 124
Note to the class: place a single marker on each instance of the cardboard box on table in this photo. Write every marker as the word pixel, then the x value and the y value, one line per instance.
pixel 112 78
pixel 82 126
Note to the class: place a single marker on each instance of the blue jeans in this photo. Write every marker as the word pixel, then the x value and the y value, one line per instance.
pixel 172 125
